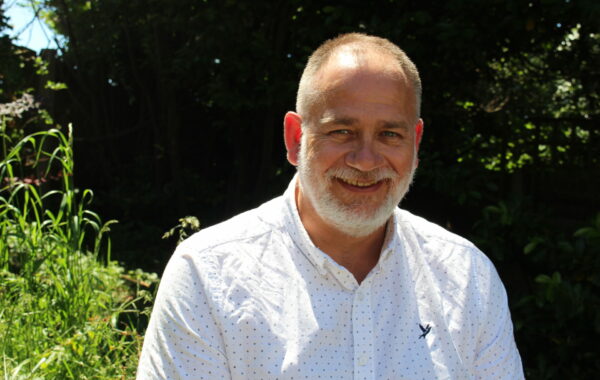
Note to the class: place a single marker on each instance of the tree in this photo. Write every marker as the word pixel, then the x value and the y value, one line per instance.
pixel 177 106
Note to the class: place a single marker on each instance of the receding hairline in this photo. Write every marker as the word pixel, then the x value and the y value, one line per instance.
pixel 360 45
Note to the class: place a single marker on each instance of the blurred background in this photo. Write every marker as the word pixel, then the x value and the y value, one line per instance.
pixel 177 109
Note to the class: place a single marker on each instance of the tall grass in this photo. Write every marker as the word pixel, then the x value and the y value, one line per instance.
pixel 66 310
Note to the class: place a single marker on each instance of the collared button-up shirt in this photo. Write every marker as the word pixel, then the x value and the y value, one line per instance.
pixel 254 298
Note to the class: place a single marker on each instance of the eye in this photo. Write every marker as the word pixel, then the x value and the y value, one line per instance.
pixel 391 134
pixel 340 132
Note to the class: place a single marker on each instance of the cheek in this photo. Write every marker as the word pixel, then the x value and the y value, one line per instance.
pixel 403 161
pixel 324 153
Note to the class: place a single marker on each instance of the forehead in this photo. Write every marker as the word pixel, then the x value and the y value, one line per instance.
pixel 363 79
pixel 356 59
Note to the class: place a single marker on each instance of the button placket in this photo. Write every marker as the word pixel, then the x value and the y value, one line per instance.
pixel 362 326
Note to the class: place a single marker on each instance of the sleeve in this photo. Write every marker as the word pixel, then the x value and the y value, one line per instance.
pixel 183 340
pixel 497 356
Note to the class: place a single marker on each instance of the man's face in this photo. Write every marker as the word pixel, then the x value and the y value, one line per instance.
pixel 358 155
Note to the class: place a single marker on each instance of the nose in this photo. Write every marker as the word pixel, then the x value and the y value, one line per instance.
pixel 364 156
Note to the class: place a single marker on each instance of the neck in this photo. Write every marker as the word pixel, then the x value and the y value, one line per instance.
pixel 357 254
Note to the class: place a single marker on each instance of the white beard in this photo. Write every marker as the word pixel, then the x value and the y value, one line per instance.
pixel 356 219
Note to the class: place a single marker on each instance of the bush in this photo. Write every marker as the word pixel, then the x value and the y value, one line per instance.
pixel 66 310
pixel 555 277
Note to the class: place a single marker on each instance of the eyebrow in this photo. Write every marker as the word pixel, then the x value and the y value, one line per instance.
pixel 395 125
pixel 349 121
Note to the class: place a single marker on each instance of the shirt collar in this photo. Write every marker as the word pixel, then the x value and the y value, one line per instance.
pixel 297 230
pixel 317 257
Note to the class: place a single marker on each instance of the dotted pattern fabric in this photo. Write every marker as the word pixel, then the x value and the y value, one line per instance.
pixel 253 298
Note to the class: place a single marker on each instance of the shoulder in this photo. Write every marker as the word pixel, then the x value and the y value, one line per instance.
pixel 231 249
pixel 240 229
pixel 429 232
pixel 471 293
pixel 225 265
pixel 440 246
pixel 462 272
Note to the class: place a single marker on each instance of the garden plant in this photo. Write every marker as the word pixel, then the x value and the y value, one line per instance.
pixel 67 311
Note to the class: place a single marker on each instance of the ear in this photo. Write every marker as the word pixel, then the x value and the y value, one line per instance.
pixel 418 134
pixel 292 134
pixel 418 137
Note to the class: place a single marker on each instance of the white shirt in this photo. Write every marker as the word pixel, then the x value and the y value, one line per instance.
pixel 254 298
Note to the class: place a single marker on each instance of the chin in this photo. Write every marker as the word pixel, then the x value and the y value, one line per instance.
pixel 358 228
pixel 354 220
pixel 358 219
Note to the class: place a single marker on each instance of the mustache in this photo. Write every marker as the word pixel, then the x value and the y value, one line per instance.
pixel 377 175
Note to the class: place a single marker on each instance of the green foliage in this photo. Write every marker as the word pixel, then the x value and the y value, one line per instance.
pixel 179 105
pixel 17 65
pixel 556 311
pixel 186 227
pixel 562 315
pixel 66 310
pixel 556 127
pixel 201 87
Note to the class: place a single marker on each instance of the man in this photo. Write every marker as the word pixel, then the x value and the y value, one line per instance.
pixel 332 280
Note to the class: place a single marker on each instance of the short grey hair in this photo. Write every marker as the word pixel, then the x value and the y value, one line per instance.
pixel 306 90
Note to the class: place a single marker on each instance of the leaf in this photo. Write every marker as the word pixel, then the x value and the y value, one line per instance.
pixel 56 86
pixel 584 232
pixel 530 247
pixel 543 279
pixel 170 233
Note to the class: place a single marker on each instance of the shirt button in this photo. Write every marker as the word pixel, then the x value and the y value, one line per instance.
pixel 362 360
pixel 360 296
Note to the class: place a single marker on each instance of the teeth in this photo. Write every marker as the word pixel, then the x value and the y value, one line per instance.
pixel 357 183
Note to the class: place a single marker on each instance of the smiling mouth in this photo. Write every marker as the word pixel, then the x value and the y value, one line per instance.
pixel 358 183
